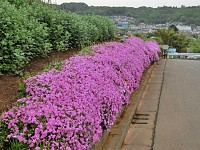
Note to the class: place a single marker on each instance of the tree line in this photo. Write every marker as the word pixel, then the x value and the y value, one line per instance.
pixel 148 15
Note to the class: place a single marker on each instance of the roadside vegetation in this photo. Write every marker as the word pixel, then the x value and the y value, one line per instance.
pixel 194 45
pixel 72 103
pixel 33 28
pixel 173 38
pixel 69 104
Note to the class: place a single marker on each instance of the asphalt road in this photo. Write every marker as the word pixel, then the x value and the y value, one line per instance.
pixel 178 122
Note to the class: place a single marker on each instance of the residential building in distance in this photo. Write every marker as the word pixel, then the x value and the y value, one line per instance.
pixel 129 24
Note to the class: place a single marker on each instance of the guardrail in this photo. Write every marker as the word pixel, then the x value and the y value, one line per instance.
pixel 184 55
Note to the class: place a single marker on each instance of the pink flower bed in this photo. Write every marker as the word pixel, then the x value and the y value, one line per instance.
pixel 70 108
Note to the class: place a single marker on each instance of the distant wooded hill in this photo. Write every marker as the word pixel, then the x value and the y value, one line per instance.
pixel 148 15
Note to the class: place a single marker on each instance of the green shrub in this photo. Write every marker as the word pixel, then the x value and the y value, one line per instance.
pixel 57 25
pixel 194 45
pixel 32 28
pixel 105 27
pixel 14 38
pixel 11 144
pixel 22 38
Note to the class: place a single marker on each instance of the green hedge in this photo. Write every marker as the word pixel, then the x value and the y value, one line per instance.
pixel 31 29
pixel 21 38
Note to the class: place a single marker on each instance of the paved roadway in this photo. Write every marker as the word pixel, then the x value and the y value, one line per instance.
pixel 178 121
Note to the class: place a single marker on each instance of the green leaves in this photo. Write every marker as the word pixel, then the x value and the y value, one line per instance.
pixel 22 38
pixel 3 133
pixel 172 38
pixel 194 45
pixel 9 144
pixel 28 30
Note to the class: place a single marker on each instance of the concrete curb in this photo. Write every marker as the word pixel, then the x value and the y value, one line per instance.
pixel 113 139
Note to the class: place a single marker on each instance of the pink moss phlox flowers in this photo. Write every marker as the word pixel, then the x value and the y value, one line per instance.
pixel 70 108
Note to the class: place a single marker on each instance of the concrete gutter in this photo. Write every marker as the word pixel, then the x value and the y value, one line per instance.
pixel 113 139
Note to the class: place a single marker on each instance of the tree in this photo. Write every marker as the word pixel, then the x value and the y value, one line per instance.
pixel 172 38
pixel 195 45
pixel 164 36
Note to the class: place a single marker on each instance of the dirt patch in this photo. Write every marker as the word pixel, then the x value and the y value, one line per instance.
pixel 9 85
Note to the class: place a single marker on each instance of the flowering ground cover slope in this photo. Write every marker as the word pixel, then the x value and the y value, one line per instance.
pixel 69 108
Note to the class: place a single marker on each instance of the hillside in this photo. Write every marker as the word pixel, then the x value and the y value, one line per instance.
pixel 148 15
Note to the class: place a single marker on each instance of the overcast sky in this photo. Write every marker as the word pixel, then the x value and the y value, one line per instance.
pixel 134 3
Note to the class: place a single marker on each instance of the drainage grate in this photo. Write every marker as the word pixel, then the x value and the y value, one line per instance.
pixel 140 119
pixel 135 122
pixel 142 115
